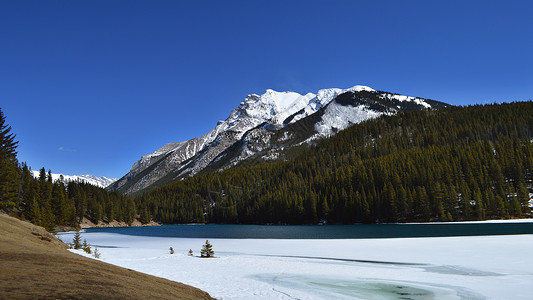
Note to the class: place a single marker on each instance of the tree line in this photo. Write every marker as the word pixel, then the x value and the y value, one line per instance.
pixel 459 163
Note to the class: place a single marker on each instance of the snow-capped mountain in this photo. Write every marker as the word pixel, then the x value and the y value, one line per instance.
pixel 91 179
pixel 348 107
pixel 250 128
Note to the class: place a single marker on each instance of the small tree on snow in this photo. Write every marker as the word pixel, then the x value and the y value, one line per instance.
pixel 190 252
pixel 86 247
pixel 171 250
pixel 96 253
pixel 76 242
pixel 207 250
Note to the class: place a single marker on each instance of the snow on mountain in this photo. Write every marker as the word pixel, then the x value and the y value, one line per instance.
pixel 338 117
pixel 273 107
pixel 273 110
pixel 329 112
pixel 91 179
pixel 323 97
pixel 402 98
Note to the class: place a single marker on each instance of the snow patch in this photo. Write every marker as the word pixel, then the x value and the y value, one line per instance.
pixel 402 98
pixel 338 117
pixel 360 88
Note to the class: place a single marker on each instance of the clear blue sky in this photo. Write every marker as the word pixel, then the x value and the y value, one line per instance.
pixel 90 86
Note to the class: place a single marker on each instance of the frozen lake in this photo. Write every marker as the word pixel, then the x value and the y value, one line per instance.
pixel 465 267
pixel 330 231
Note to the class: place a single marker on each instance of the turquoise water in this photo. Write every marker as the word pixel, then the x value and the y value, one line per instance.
pixel 324 232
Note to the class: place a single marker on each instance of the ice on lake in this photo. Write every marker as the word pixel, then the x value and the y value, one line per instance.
pixel 480 267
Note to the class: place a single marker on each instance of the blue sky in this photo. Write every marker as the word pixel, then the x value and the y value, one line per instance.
pixel 90 86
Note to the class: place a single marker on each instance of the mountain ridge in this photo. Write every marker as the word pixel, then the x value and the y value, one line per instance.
pixel 263 115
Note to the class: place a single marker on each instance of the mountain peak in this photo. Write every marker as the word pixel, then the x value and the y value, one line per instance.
pixel 272 106
pixel 254 122
pixel 360 88
pixel 271 91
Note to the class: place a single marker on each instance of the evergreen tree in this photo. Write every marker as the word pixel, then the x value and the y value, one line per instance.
pixel 9 170
pixel 523 197
pixel 34 212
pixel 76 242
pixel 480 210
pixel 86 247
pixel 207 250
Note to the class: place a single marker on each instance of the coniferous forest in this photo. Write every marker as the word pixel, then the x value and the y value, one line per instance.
pixel 49 204
pixel 458 163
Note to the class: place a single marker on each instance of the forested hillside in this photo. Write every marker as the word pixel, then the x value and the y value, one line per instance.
pixel 50 203
pixel 458 163
pixel 47 203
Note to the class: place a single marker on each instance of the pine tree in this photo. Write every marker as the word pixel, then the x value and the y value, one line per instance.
pixel 76 242
pixel 207 250
pixel 516 208
pixel 86 247
pixel 9 170
pixel 480 207
pixel 45 195
pixel 34 212
pixel 523 197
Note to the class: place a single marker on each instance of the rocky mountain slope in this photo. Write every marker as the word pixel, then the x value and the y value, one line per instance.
pixel 263 127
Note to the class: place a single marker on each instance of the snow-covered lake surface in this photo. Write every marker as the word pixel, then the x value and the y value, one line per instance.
pixel 474 267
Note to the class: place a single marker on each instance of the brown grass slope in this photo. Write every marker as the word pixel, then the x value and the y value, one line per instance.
pixel 34 264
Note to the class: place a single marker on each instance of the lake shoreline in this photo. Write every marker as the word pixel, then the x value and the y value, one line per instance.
pixel 85 224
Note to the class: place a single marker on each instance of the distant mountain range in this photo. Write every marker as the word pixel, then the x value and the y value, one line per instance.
pixel 91 179
pixel 266 127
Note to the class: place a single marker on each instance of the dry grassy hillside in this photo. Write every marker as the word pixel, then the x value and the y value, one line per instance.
pixel 34 264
